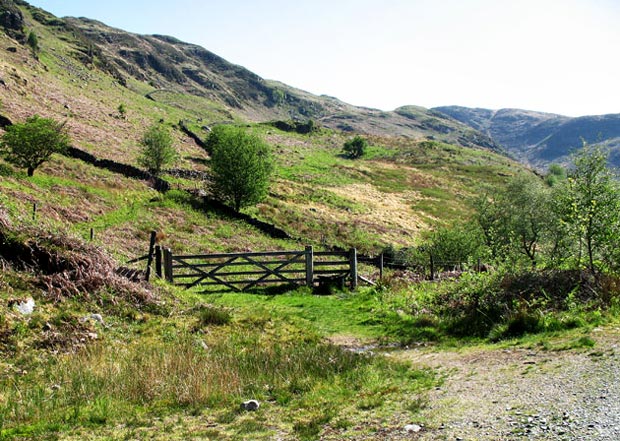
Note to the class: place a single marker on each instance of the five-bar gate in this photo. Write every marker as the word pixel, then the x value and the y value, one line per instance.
pixel 243 271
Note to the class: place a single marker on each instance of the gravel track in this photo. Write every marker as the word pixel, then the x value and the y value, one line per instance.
pixel 506 394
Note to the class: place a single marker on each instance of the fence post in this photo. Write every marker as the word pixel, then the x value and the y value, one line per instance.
pixel 158 261
pixel 149 261
pixel 353 266
pixel 309 266
pixel 34 210
pixel 92 234
pixel 168 265
pixel 381 266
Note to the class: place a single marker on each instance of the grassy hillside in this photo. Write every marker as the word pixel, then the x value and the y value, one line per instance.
pixel 188 77
pixel 402 187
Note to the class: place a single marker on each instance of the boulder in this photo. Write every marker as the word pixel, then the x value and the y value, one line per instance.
pixel 11 19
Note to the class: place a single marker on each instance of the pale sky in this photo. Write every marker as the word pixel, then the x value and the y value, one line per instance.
pixel 559 56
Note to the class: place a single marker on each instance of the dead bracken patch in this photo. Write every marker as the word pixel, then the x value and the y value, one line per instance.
pixel 69 268
pixel 5 221
pixel 402 216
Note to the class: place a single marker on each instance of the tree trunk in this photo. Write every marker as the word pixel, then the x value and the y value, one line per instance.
pixel 30 171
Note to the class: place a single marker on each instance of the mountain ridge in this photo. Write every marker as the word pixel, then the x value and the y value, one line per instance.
pixel 539 138
pixel 166 63
pixel 173 72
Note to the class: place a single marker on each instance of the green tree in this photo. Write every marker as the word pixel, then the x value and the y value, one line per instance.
pixel 241 166
pixel 355 148
pixel 454 245
pixel 492 222
pixel 157 149
pixel 30 144
pixel 589 204
pixel 33 42
pixel 527 208
pixel 122 111
pixel 517 219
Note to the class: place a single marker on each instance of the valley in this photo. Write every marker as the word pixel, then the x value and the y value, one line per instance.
pixel 509 301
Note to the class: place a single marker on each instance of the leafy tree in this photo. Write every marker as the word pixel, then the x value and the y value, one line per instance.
pixel 30 144
pixel 454 245
pixel 526 207
pixel 157 149
pixel 241 165
pixel 517 219
pixel 33 42
pixel 492 222
pixel 589 204
pixel 355 148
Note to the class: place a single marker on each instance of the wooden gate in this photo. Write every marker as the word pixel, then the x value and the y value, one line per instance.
pixel 243 271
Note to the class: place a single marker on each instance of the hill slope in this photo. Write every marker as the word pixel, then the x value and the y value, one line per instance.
pixel 417 174
pixel 169 65
pixel 540 138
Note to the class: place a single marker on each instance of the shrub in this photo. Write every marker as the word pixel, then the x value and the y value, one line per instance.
pixel 454 245
pixel 157 149
pixel 355 148
pixel 33 42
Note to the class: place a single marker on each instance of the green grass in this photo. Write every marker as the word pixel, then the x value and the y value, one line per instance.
pixel 285 366
pixel 344 313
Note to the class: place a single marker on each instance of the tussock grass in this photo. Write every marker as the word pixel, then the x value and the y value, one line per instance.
pixel 109 383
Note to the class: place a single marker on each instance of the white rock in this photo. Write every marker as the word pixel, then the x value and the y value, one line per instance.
pixel 25 308
pixel 97 318
pixel 412 428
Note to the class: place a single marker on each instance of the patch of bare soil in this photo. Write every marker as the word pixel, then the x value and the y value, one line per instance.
pixel 504 394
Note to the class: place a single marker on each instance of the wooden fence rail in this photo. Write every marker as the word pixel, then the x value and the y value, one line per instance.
pixel 243 271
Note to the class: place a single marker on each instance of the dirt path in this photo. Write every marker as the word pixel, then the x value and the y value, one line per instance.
pixel 524 394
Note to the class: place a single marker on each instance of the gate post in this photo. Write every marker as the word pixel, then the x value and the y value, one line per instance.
pixel 150 257
pixel 168 265
pixel 309 266
pixel 158 262
pixel 353 267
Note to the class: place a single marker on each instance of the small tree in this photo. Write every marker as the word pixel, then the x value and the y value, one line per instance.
pixel 33 42
pixel 241 165
pixel 589 203
pixel 527 207
pixel 355 148
pixel 455 245
pixel 157 149
pixel 516 219
pixel 122 111
pixel 30 144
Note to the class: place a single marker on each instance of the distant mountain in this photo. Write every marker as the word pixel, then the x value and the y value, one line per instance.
pixel 538 138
